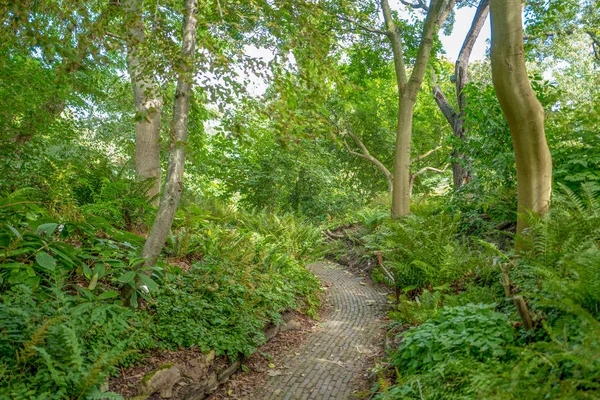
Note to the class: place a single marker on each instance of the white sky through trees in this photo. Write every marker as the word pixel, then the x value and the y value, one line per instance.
pixel 452 44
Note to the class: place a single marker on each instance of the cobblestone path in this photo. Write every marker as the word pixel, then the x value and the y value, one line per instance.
pixel 337 353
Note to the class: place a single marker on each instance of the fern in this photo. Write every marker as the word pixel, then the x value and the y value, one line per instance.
pixel 30 347
pixel 97 394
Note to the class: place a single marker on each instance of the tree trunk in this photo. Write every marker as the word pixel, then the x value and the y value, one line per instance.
pixel 436 14
pixel 402 186
pixel 523 112
pixel 460 174
pixel 174 181
pixel 148 105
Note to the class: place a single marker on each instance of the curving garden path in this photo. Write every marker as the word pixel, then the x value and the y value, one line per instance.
pixel 331 360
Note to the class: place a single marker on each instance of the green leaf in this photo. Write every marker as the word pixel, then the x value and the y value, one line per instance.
pixel 100 270
pixel 47 229
pixel 108 295
pixel 134 302
pixel 12 265
pixel 45 260
pixel 93 282
pixel 127 277
pixel 146 280
pixel 13 230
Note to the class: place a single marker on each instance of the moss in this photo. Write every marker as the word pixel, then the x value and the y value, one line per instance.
pixel 147 377
pixel 150 374
pixel 166 366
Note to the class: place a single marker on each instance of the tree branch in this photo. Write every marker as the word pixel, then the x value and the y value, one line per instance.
pixel 595 44
pixel 393 34
pixel 425 169
pixel 413 177
pixel 438 11
pixel 442 102
pixel 462 62
pixel 114 36
pixel 358 25
pixel 420 4
pixel 425 155
pixel 367 156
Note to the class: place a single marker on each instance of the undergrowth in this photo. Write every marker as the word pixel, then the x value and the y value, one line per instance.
pixel 454 332
pixel 225 274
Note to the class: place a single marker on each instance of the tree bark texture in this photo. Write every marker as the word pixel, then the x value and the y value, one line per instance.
pixel 407 91
pixel 148 104
pixel 461 174
pixel 523 112
pixel 174 179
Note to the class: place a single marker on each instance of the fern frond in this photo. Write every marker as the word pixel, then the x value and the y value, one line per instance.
pixel 29 348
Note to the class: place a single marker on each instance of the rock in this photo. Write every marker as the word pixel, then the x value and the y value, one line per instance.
pixel 163 379
pixel 200 391
pixel 271 332
pixel 199 366
pixel 227 372
pixel 291 325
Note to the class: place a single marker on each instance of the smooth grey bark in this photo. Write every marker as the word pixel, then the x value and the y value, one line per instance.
pixel 408 88
pixel 174 179
pixel 460 174
pixel 522 110
pixel 148 104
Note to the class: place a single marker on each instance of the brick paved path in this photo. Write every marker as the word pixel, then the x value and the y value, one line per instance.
pixel 326 364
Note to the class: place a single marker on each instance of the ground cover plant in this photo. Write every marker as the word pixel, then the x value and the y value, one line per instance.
pixel 455 332
pixel 65 329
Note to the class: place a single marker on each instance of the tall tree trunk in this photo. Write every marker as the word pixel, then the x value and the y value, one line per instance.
pixel 402 184
pixel 460 174
pixel 436 14
pixel 523 112
pixel 148 104
pixel 174 180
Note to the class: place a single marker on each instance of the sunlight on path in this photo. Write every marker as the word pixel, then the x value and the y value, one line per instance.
pixel 326 365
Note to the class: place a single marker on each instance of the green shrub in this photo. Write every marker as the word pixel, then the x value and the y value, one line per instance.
pixel 474 330
pixel 422 251
pixel 224 306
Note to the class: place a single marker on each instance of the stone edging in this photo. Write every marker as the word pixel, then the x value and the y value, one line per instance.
pixel 201 376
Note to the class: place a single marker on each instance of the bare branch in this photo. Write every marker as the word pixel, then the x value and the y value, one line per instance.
pixel 438 11
pixel 595 44
pixel 546 35
pixel 114 36
pixel 425 155
pixel 358 25
pixel 367 156
pixel 420 4
pixel 462 62
pixel 413 177
pixel 442 102
pixel 425 169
